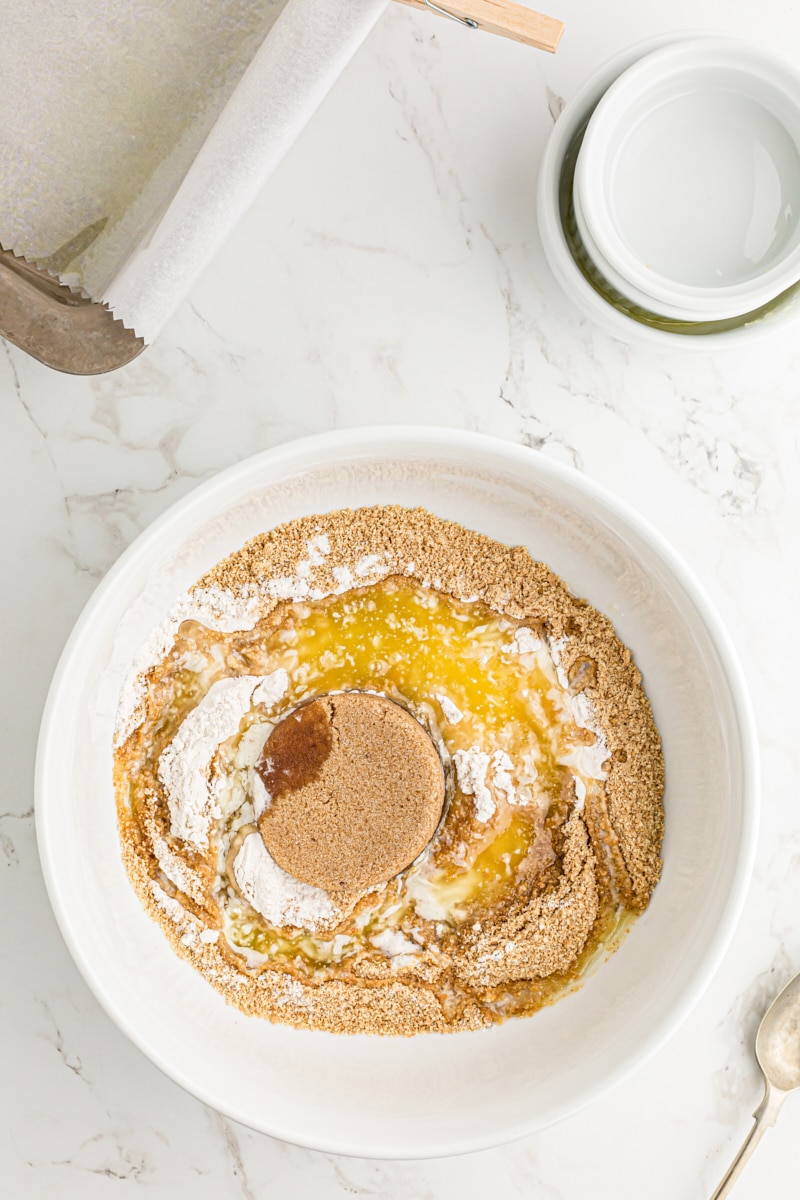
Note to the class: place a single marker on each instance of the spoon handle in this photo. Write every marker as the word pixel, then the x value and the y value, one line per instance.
pixel 765 1115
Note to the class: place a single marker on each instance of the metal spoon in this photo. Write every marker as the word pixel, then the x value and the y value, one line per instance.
pixel 778 1054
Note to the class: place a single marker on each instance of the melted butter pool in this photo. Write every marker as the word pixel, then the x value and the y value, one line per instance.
pixel 435 655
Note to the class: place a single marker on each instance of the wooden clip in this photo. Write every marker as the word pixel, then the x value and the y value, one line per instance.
pixel 500 17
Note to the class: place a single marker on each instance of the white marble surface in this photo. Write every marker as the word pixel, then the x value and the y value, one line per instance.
pixel 391 271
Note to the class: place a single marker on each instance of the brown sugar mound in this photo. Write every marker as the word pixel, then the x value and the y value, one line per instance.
pixel 357 791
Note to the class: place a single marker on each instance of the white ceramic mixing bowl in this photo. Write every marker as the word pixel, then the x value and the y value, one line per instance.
pixel 433 1094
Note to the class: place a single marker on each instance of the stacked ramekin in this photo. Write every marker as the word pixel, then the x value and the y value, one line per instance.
pixel 676 192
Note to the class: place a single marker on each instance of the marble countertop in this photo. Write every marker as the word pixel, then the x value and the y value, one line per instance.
pixel 391 271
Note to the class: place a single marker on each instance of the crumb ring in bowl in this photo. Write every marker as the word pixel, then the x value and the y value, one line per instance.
pixel 549 844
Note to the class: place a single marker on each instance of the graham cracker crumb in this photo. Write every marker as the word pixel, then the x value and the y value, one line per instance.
pixel 591 866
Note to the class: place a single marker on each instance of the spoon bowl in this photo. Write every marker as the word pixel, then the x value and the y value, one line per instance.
pixel 778 1055
pixel 778 1039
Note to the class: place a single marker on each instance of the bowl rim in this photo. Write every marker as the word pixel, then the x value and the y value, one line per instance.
pixel 668 72
pixel 331 445
pixel 568 275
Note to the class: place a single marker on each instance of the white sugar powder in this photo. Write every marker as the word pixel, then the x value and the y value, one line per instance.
pixel 427 904
pixel 450 711
pixel 300 585
pixel 221 609
pixel 278 896
pixel 191 930
pixel 525 642
pixel 174 910
pixel 391 942
pixel 344 578
pixel 503 766
pixel 251 743
pixel 586 760
pixel 260 795
pixel 184 767
pixel 272 688
pixel 318 548
pixel 471 767
pixel 293 993
pixel 556 648
pixel 178 872
pixel 370 564
pixel 216 608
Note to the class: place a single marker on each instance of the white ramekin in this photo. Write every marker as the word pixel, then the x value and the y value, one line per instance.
pixel 576 279
pixel 688 179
